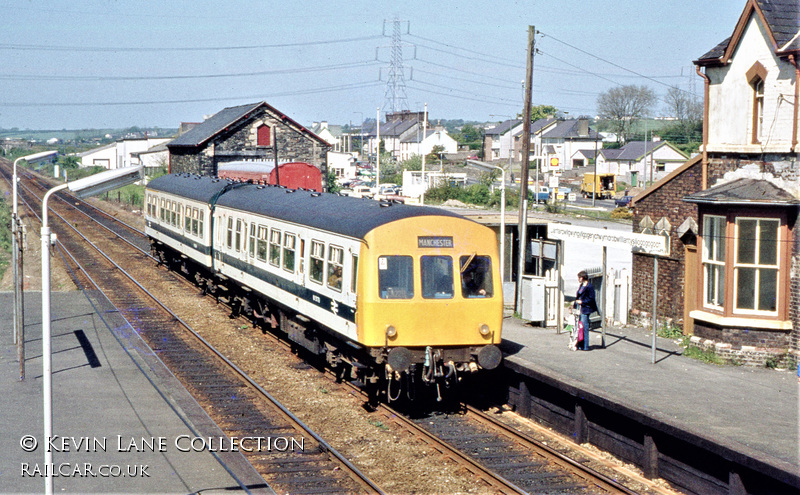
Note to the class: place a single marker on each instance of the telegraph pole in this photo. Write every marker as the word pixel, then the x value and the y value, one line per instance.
pixel 526 151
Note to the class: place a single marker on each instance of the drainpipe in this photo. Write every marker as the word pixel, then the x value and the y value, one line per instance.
pixel 793 61
pixel 704 164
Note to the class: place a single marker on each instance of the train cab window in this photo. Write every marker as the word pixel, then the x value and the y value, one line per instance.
pixel 261 243
pixel 476 276
pixel 335 268
pixel 437 277
pixel 317 261
pixel 230 232
pixel 396 277
pixel 275 247
pixel 288 251
pixel 239 228
pixel 353 274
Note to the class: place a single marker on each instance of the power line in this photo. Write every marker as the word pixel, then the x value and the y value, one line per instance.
pixel 25 47
pixel 194 100
pixel 24 77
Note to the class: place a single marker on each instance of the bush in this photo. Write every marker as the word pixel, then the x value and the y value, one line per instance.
pixel 623 213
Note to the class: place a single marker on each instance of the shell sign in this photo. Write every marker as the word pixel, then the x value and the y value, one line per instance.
pixel 554 162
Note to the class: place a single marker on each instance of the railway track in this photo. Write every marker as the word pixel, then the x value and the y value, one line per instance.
pixel 504 460
pixel 289 455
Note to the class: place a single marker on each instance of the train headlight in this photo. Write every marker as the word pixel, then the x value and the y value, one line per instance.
pixel 391 331
pixel 485 330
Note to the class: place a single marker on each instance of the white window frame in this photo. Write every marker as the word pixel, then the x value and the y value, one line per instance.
pixel 720 263
pixel 736 266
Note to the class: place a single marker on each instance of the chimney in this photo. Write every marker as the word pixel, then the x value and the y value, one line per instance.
pixel 323 124
pixel 583 127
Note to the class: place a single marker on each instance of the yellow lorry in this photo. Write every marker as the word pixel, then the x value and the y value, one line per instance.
pixel 602 186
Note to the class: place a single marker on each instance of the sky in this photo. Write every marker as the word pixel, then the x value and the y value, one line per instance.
pixel 123 63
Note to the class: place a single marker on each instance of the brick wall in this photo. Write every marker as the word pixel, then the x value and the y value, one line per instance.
pixel 794 296
pixel 666 202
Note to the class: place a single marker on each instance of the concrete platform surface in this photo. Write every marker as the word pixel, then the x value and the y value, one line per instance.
pixel 752 410
pixel 123 423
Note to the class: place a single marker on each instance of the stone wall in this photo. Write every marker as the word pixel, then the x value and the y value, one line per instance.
pixel 239 142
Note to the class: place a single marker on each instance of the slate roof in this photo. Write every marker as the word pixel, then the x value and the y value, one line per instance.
pixel 391 129
pixel 200 134
pixel 744 191
pixel 633 151
pixel 568 129
pixel 502 127
pixel 783 22
pixel 352 217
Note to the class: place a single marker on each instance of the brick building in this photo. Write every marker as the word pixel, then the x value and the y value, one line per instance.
pixel 733 275
pixel 256 132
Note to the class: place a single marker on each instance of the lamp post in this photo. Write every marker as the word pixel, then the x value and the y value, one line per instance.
pixel 361 132
pixel 488 167
pixel 88 186
pixel 19 338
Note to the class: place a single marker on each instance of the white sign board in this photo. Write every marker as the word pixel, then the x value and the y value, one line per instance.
pixel 637 243
pixel 553 182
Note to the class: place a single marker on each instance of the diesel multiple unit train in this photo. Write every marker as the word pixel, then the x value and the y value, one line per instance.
pixel 393 294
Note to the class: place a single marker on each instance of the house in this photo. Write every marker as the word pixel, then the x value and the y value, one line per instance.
pixel 498 140
pixel 154 158
pixel 118 154
pixel 731 213
pixel 415 144
pixel 398 126
pixel 640 162
pixel 333 135
pixel 253 132
pixel 343 165
pixel 561 141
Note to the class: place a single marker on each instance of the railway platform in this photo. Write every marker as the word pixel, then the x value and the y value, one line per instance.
pixel 747 414
pixel 123 423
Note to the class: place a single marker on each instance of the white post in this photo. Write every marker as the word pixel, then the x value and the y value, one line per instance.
pixel 47 356
pixel 424 135
pixel 378 154
pixel 502 227
pixel 655 306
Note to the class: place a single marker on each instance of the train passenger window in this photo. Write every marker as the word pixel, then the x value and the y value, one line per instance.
pixel 261 244
pixel 162 211
pixel 179 210
pixel 230 232
pixel 354 274
pixel 252 243
pixel 335 268
pixel 317 261
pixel 197 225
pixel 172 213
pixel 275 247
pixel 476 276
pixel 187 219
pixel 288 251
pixel 239 228
pixel 437 277
pixel 396 277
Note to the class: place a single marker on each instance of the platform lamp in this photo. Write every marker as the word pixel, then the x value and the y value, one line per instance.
pixel 88 186
pixel 18 323
pixel 487 167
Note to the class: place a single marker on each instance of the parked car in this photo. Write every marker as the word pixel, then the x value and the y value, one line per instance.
pixel 623 201
pixel 360 192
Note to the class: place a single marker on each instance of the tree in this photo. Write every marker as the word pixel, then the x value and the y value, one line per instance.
pixel 688 110
pixel 624 104
pixel 542 112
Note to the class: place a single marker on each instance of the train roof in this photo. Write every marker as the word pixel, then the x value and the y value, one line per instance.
pixel 352 217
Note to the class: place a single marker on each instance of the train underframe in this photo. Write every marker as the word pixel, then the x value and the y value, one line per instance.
pixel 388 373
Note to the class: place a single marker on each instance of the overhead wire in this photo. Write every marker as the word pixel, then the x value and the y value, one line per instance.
pixel 193 100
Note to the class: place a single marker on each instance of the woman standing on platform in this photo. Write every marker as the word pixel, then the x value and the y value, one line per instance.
pixel 585 300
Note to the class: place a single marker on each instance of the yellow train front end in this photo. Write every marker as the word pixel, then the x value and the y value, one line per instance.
pixel 430 300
